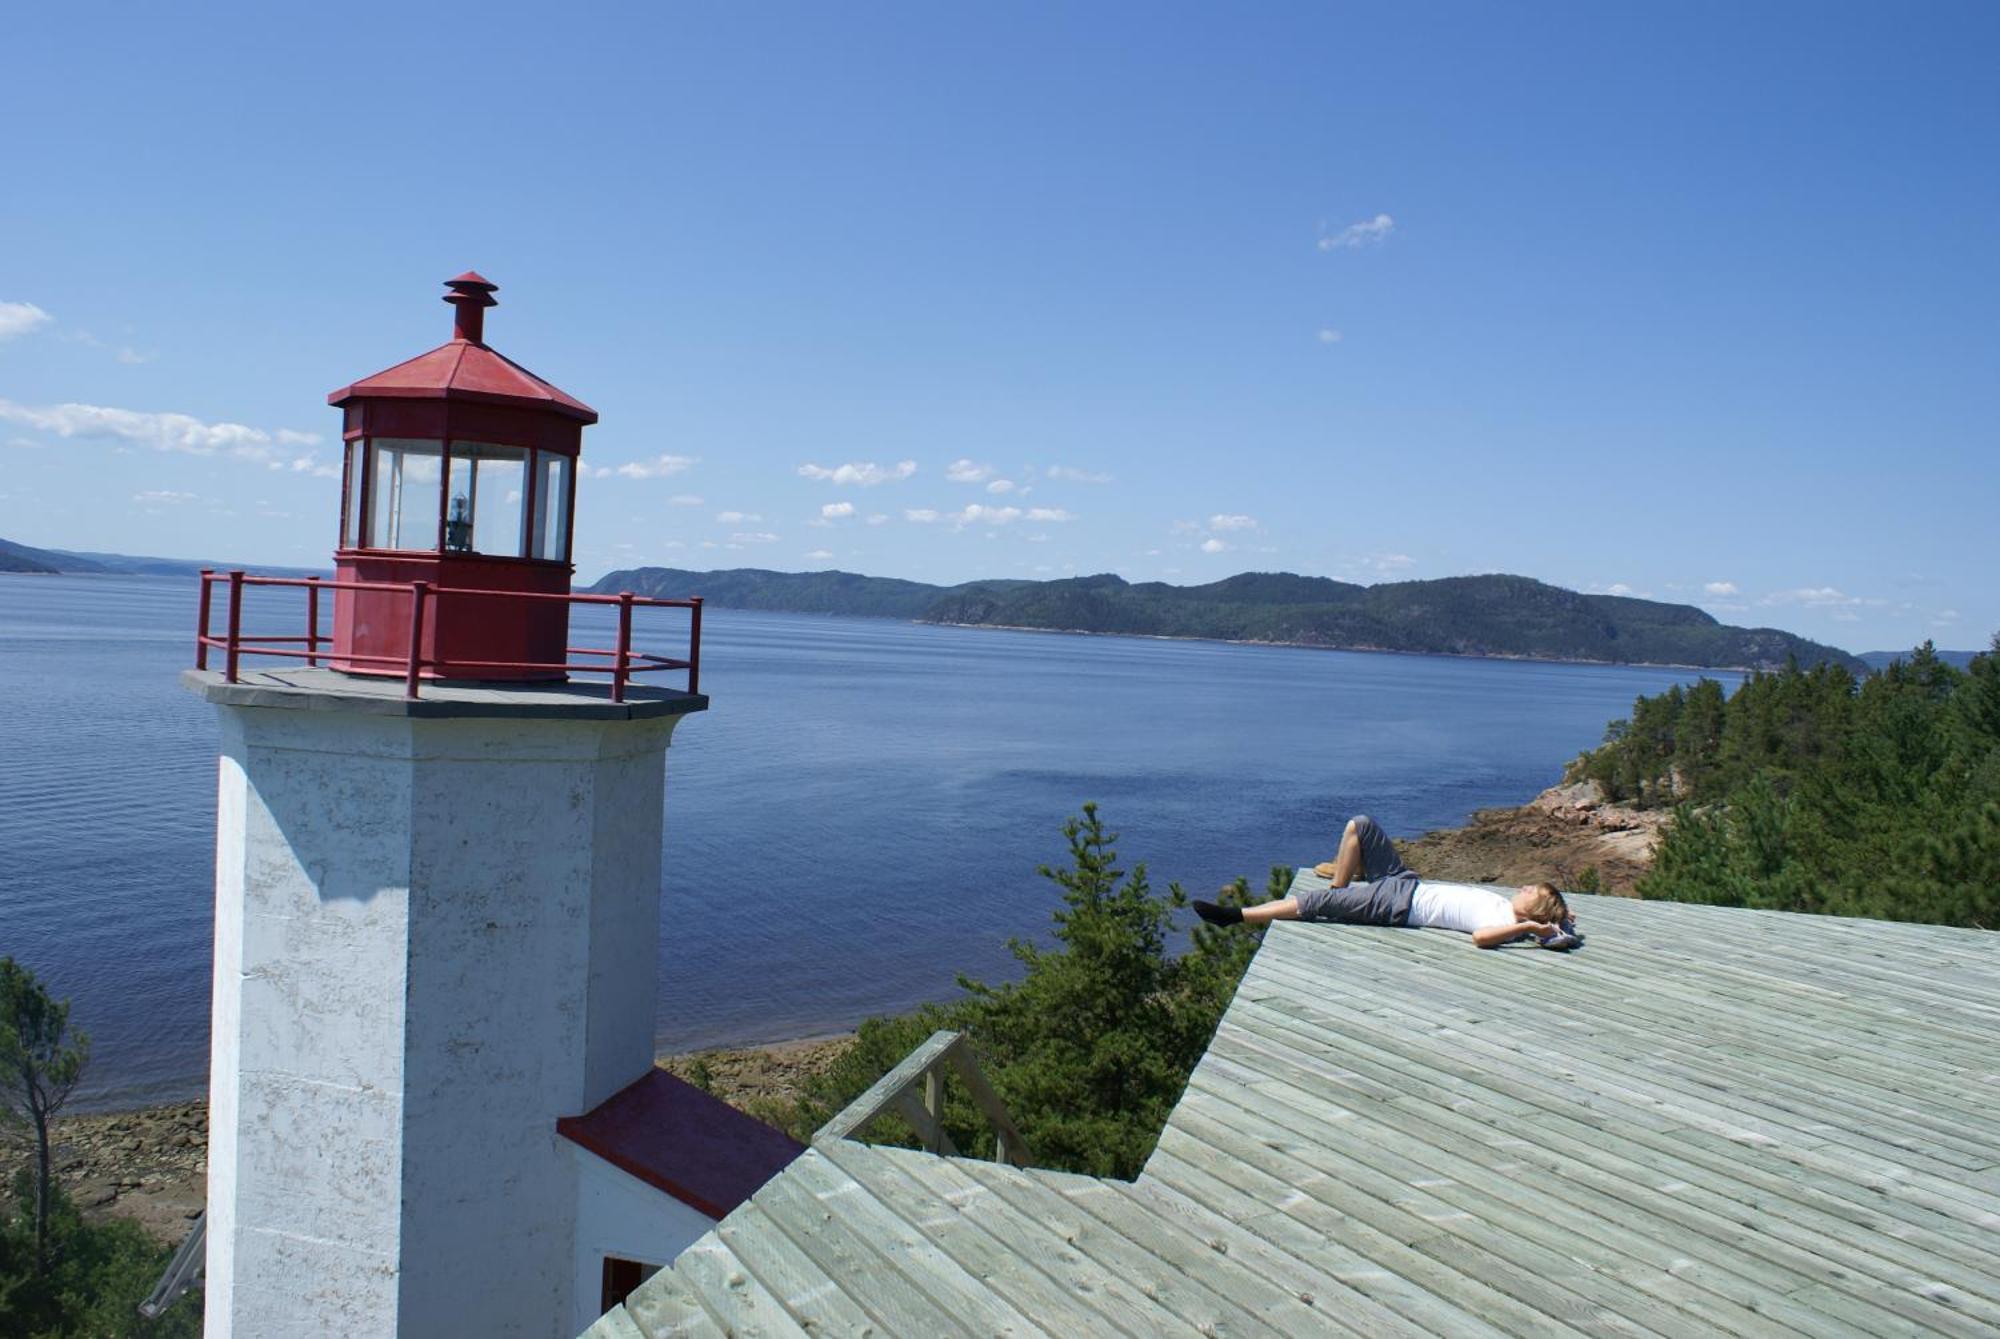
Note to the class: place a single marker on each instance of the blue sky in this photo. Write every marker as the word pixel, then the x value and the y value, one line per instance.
pixel 1692 301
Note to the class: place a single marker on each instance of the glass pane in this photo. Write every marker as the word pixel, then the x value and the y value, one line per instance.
pixel 350 520
pixel 403 505
pixel 551 537
pixel 486 486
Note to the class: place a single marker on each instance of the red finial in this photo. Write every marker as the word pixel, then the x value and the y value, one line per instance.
pixel 470 296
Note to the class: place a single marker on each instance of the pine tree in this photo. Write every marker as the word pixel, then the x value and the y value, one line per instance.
pixel 40 1063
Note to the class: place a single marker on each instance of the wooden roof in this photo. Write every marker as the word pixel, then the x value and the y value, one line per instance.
pixel 1708 1121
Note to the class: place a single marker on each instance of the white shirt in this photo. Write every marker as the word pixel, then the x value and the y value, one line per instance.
pixel 1459 906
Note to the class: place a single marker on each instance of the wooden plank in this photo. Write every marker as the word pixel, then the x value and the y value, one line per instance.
pixel 807 1292
pixel 916 1262
pixel 665 1306
pixel 1207 1300
pixel 614 1324
pixel 731 1290
pixel 1009 1146
pixel 1056 1304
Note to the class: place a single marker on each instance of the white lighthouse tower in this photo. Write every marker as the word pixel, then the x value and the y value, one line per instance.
pixel 437 884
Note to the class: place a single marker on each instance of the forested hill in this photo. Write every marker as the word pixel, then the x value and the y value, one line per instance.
pixel 1477 616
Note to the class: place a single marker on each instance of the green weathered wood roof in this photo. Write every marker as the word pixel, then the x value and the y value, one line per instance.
pixel 1709 1121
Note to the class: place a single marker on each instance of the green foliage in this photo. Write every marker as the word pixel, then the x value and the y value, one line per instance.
pixel 40 1063
pixel 1090 1049
pixel 98 1273
pixel 1477 615
pixel 1810 791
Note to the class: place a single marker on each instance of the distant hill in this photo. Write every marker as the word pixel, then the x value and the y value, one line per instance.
pixel 1883 659
pixel 13 557
pixel 1474 616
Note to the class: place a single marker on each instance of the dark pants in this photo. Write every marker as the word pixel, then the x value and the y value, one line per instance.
pixel 1383 900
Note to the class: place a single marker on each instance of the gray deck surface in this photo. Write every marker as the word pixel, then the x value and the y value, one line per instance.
pixel 1708 1121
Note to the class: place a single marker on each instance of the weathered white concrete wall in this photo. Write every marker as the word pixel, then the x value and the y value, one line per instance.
pixel 423 959
pixel 619 1215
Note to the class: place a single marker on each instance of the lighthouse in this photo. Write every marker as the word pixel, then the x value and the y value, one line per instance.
pixel 433 1104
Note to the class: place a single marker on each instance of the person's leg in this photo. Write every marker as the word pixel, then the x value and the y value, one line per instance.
pixel 1284 909
pixel 1365 853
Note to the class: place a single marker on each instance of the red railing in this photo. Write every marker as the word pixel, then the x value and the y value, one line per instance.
pixel 620 662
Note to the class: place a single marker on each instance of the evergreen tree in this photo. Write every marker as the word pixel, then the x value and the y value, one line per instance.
pixel 40 1063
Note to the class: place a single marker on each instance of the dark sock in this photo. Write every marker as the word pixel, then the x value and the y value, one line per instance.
pixel 1218 915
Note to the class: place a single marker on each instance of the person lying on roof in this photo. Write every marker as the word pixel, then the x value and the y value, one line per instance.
pixel 1392 894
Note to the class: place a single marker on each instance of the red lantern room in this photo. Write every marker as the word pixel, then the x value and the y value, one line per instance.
pixel 460 473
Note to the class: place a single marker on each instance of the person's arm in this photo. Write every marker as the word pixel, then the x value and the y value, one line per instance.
pixel 1493 936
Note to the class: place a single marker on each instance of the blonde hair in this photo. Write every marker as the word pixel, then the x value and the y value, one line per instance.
pixel 1545 903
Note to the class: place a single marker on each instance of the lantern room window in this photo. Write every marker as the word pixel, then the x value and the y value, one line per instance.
pixel 486 504
pixel 407 475
pixel 549 531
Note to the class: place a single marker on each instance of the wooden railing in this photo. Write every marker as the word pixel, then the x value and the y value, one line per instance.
pixel 897 1091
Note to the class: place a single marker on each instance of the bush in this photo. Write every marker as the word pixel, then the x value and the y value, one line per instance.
pixel 98 1274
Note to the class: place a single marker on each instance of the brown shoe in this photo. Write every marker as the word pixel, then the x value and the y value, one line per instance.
pixel 1325 869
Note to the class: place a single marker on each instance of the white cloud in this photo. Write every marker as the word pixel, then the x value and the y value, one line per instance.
pixel 1076 476
pixel 820 555
pixel 1721 589
pixel 1049 514
pixel 1817 597
pixel 1187 527
pixel 1224 522
pixel 922 515
pixel 1213 545
pixel 1392 562
pixel 21 318
pixel 835 511
pixel 686 500
pixel 133 358
pixel 1618 588
pixel 659 467
pixel 878 518
pixel 757 537
pixel 867 473
pixel 1366 233
pixel 1328 335
pixel 967 472
pixel 174 432
pixel 1000 486
pixel 164 496
pixel 977 514
pixel 736 517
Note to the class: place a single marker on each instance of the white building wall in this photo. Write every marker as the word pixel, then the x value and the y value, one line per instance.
pixel 619 1215
pixel 422 960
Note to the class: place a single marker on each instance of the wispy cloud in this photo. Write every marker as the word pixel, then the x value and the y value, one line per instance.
pixel 1000 486
pixel 836 511
pixel 754 537
pixel 1226 522
pixel 1366 233
pixel 1721 589
pixel 21 318
pixel 967 472
pixel 686 500
pixel 736 517
pixel 1817 597
pixel 163 497
pixel 866 473
pixel 922 515
pixel 1052 514
pixel 878 518
pixel 820 555
pixel 1069 474
pixel 659 467
pixel 282 449
pixel 1328 335
pixel 1214 545
pixel 982 515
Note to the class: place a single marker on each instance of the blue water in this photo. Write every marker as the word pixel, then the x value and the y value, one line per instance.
pixel 857 818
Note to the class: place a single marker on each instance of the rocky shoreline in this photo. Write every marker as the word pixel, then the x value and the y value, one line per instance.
pixel 151 1165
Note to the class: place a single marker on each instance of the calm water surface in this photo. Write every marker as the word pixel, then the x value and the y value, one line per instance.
pixel 856 819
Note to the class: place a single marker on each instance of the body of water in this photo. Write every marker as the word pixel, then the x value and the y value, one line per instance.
pixel 858 817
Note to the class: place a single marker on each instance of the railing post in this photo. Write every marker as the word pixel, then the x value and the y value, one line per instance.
pixel 623 669
pixel 201 622
pixel 419 593
pixel 235 625
pixel 694 648
pixel 312 620
pixel 934 1103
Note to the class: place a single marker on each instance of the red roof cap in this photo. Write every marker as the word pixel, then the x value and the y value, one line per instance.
pixel 677 1138
pixel 466 369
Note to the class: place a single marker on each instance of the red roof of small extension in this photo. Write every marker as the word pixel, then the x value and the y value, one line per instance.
pixel 462 370
pixel 672 1135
